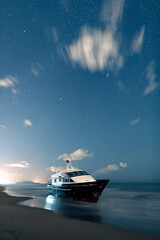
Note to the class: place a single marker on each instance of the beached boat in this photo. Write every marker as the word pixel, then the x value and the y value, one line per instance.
pixel 76 184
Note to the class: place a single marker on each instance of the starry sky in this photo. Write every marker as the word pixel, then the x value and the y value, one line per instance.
pixel 79 80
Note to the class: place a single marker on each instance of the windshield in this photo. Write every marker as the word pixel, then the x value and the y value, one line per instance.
pixel 77 173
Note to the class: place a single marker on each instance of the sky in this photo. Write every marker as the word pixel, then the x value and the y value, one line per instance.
pixel 80 80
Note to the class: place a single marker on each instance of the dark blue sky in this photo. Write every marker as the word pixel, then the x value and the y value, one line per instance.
pixel 79 80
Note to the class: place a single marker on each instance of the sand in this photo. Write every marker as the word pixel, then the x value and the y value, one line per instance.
pixel 18 222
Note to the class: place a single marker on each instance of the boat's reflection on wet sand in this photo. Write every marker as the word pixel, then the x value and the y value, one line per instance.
pixel 73 209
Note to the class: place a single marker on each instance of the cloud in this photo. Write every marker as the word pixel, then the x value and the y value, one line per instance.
pixel 37 69
pixel 14 91
pixel 2 127
pixel 55 169
pixel 138 41
pixel 134 122
pixel 7 82
pixel 123 165
pixel 27 123
pixel 112 12
pixel 22 164
pixel 55 35
pixel 152 84
pixel 77 155
pixel 113 167
pixel 109 168
pixel 97 49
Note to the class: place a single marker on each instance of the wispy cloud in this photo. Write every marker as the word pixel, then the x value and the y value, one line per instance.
pixel 2 127
pixel 14 91
pixel 22 164
pixel 8 81
pixel 111 168
pixel 134 122
pixel 55 169
pixel 36 69
pixel 77 155
pixel 27 123
pixel 152 84
pixel 123 165
pixel 112 12
pixel 97 49
pixel 138 41
pixel 55 35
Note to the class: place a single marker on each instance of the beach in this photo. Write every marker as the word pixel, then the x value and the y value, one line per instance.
pixel 19 222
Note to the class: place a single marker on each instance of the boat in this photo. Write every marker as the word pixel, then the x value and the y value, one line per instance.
pixel 76 184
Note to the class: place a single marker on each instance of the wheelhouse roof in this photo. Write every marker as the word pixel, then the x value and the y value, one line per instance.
pixel 63 172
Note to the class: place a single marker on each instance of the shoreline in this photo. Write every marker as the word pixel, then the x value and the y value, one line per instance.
pixel 19 222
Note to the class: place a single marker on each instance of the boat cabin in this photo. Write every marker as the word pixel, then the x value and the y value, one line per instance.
pixel 71 177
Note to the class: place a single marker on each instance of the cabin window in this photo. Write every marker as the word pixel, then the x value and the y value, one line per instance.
pixel 68 180
pixel 76 173
pixel 55 180
pixel 59 179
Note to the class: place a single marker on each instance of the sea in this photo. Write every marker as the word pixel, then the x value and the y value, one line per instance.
pixel 125 205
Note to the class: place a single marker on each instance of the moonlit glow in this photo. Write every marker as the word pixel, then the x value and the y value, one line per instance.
pixel 38 180
pixel 4 177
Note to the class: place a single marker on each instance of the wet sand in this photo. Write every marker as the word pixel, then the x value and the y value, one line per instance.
pixel 25 223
